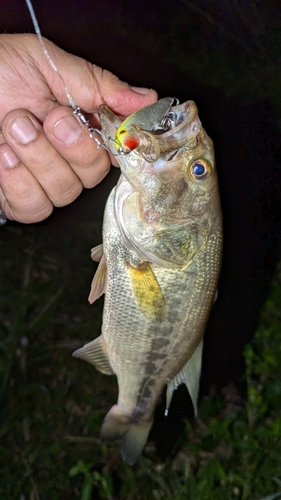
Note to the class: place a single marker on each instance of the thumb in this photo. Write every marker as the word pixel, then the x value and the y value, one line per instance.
pixel 90 86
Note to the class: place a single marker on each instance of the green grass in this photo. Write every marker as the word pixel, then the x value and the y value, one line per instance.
pixel 52 405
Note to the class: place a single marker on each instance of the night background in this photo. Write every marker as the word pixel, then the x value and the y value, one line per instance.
pixel 226 57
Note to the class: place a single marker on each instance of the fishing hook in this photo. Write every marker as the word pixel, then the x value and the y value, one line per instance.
pixel 77 111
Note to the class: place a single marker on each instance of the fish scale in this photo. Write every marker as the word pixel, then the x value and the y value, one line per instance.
pixel 203 285
pixel 162 243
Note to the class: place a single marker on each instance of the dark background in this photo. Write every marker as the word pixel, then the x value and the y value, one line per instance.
pixel 225 56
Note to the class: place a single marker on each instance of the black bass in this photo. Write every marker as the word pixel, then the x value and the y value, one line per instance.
pixel 158 265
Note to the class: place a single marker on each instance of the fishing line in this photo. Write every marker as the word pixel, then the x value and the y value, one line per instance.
pixel 76 109
pixel 46 53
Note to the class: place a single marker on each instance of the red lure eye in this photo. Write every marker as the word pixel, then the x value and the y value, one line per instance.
pixel 131 142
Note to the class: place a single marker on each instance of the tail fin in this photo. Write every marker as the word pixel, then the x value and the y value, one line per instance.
pixel 132 437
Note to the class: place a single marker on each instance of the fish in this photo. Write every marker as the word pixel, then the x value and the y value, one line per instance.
pixel 159 264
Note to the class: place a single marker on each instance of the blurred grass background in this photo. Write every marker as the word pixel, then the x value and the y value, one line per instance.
pixel 52 405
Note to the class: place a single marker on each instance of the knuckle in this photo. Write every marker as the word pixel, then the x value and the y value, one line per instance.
pixel 68 195
pixel 93 170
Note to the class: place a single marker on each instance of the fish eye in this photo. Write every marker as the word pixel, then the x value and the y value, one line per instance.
pixel 200 169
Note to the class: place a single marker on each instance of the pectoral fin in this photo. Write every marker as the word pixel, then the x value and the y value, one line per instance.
pixel 99 281
pixel 95 353
pixel 147 291
pixel 190 376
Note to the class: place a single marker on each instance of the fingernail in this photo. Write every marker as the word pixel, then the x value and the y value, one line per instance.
pixel 8 158
pixel 140 90
pixel 68 130
pixel 23 130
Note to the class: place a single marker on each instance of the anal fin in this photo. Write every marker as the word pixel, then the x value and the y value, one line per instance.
pixel 95 353
pixel 190 376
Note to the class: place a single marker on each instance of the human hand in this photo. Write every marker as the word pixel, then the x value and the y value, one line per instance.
pixel 46 154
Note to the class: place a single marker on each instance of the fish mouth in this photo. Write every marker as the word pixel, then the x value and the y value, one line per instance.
pixel 177 129
pixel 177 119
